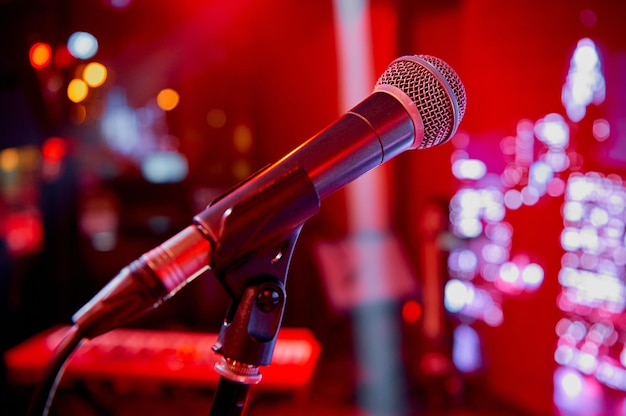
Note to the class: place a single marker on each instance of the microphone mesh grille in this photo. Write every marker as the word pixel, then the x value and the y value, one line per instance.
pixel 428 90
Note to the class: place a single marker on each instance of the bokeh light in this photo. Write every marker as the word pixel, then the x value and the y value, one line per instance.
pixel 164 167
pixel 242 138
pixel 82 45
pixel 23 232
pixel 77 90
pixel 9 159
pixel 241 169
pixel 120 4
pixel 95 74
pixel 601 130
pixel 553 131
pixel 53 150
pixel 216 118
pixel 40 55
pixel 466 349
pixel 473 169
pixel 585 83
pixel 532 276
pixel 411 311
pixel 167 99
pixel 78 114
pixel 457 295
pixel 62 57
pixel 54 82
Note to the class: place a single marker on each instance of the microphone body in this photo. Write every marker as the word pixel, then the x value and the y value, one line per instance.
pixel 386 123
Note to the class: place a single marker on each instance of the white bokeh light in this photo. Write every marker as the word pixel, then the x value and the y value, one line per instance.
pixel 82 45
pixel 553 131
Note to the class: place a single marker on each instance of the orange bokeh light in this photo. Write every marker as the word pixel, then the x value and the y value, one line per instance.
pixel 40 55
pixel 167 99
pixel 77 90
pixel 95 74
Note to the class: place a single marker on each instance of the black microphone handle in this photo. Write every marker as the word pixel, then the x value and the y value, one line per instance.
pixel 374 131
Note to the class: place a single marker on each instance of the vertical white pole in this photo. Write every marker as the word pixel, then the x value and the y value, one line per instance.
pixel 367 197
pixel 376 331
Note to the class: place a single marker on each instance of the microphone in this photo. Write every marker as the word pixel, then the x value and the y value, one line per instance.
pixel 417 103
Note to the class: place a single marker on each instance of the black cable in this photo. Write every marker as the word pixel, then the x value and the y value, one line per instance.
pixel 51 376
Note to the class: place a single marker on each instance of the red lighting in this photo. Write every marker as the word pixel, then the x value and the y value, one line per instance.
pixel 23 232
pixel 62 57
pixel 40 55
pixel 53 150
pixel 411 311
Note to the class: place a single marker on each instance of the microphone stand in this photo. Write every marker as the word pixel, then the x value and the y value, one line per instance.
pixel 256 238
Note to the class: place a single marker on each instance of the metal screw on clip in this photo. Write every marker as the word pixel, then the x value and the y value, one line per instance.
pixel 268 299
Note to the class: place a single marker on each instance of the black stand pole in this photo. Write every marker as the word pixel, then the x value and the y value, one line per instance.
pixel 230 398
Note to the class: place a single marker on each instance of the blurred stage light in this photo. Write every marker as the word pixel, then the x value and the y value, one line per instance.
pixel 494 253
pixel 40 55
pixel 539 176
pixel 241 169
pixel 557 160
pixel 466 349
pixel 164 167
pixel 509 272
pixel 466 261
pixel 54 82
pixel 216 118
pixel 530 195
pixel 588 18
pixel 601 130
pixel 53 150
pixel 120 4
pixel 411 311
pixel 473 169
pixel 456 295
pixel 553 131
pixel 23 232
pixel 95 74
pixel 82 45
pixel 120 125
pixel 572 384
pixel 77 90
pixel 9 159
pixel 513 199
pixel 242 138
pixel 78 114
pixel 585 83
pixel 62 57
pixel 167 99
pixel 532 276
pixel 592 276
pixel 524 143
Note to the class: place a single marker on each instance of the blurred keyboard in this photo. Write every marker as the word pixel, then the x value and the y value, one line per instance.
pixel 165 358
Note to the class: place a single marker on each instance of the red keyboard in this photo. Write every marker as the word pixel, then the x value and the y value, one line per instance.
pixel 162 357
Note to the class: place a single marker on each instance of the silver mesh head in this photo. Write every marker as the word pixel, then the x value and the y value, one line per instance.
pixel 435 89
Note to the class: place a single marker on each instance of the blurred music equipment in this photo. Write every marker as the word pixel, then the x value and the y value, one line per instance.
pixel 136 357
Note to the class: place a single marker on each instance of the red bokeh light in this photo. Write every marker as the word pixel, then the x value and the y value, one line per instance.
pixel 40 55
pixel 53 150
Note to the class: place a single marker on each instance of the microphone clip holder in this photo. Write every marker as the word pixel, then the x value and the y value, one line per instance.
pixel 256 236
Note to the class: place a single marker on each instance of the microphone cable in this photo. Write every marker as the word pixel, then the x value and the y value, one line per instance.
pixel 49 380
